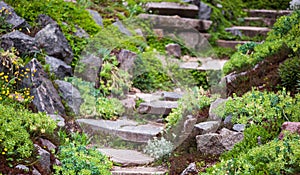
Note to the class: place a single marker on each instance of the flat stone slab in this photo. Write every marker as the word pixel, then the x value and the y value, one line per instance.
pixel 206 64
pixel 249 30
pixel 138 171
pixel 171 96
pixel 208 127
pixel 268 13
pixel 127 130
pixel 165 22
pixel 171 8
pixel 230 44
pixel 148 97
pixel 157 107
pixel 260 20
pixel 126 157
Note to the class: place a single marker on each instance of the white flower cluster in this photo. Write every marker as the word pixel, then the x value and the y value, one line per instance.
pixel 158 148
pixel 295 5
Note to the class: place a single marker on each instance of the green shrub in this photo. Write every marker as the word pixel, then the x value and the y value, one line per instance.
pixel 193 101
pixel 150 74
pixel 267 4
pixel 109 108
pixel 257 107
pixel 247 48
pixel 289 72
pixel 77 159
pixel 283 36
pixel 263 113
pixel 275 157
pixel 18 127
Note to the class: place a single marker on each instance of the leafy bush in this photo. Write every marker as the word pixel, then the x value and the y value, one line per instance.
pixel 193 101
pixel 159 148
pixel 109 108
pixel 284 35
pixel 275 157
pixel 263 113
pixel 11 74
pixel 247 48
pixel 257 107
pixel 289 72
pixel 76 158
pixel 18 127
pixel 267 4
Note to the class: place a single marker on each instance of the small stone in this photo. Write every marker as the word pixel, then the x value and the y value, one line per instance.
pixel 122 28
pixel 47 144
pixel 22 167
pixel 174 50
pixel 228 122
pixel 191 169
pixel 293 127
pixel 44 163
pixel 60 120
pixel 239 127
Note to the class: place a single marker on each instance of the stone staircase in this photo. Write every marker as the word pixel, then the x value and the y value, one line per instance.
pixel 123 139
pixel 257 23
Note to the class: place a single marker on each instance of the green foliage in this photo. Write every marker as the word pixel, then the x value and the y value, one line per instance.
pixel 89 95
pixel 193 101
pixel 113 81
pixel 149 73
pixel 18 127
pixel 275 157
pixel 72 14
pixel 263 113
pixel 257 107
pixel 109 108
pixel 267 4
pixel 4 27
pixel 77 159
pixel 289 72
pixel 283 36
pixel 247 48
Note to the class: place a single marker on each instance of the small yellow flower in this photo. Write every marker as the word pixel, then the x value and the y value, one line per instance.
pixel 5 149
pixel 3 153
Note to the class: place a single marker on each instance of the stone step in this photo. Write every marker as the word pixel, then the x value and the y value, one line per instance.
pixel 127 130
pixel 157 107
pixel 267 13
pixel 204 65
pixel 248 30
pixel 126 157
pixel 138 171
pixel 269 22
pixel 172 8
pixel 169 22
pixel 230 44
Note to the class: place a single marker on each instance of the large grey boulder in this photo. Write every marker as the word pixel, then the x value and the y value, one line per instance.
pixel 22 42
pixel 157 107
pixel 12 18
pixel 46 98
pixel 216 144
pixel 70 94
pixel 44 162
pixel 53 41
pixel 204 11
pixel 96 16
pixel 88 68
pixel 58 67
pixel 126 59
